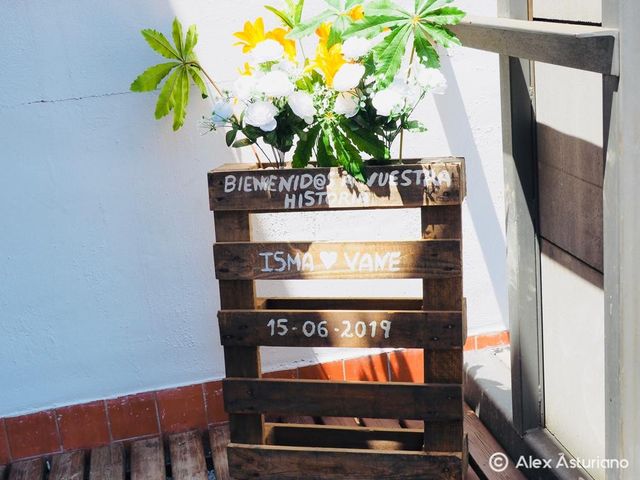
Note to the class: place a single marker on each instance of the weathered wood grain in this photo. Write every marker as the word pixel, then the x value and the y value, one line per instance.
pixel 219 437
pixel 343 399
pixel 330 436
pixel 239 294
pixel 280 463
pixel 147 460
pixel 27 470
pixel 187 457
pixel 434 259
pixel 433 182
pixel 584 47
pixel 107 463
pixel 443 366
pixel 345 329
pixel 67 466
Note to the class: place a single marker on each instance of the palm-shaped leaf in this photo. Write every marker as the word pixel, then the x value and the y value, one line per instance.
pixel 151 78
pixel 160 44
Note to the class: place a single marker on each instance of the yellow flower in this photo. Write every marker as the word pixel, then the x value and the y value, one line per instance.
pixel 328 61
pixel 357 13
pixel 279 35
pixel 246 71
pixel 252 35
pixel 323 31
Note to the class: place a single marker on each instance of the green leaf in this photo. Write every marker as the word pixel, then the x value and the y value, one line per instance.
pixel 415 126
pixel 371 26
pixel 335 4
pixel 298 12
pixel 177 37
pixel 426 5
pixel 440 35
pixel 230 137
pixel 165 100
pixel 180 99
pixel 337 29
pixel 151 78
pixel 352 4
pixel 444 16
pixel 160 44
pixel 304 149
pixel 244 142
pixel 349 157
pixel 323 158
pixel 309 27
pixel 191 41
pixel 386 8
pixel 281 15
pixel 365 140
pixel 427 55
pixel 198 80
pixel 389 54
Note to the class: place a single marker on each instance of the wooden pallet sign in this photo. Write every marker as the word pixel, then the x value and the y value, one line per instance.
pixel 435 323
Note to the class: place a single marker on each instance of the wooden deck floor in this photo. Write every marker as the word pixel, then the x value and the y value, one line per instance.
pixel 192 456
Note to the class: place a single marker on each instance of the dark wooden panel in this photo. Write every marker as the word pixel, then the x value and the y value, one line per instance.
pixel 335 328
pixel 443 366
pixel 299 303
pixel 571 214
pixel 107 463
pixel 27 470
pixel 434 182
pixel 344 260
pixel 67 466
pixel 329 436
pixel 187 457
pixel 239 294
pixel 344 399
pixel 279 463
pixel 219 437
pixel 147 460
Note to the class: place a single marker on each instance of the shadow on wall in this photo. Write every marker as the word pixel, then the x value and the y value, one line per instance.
pixel 457 128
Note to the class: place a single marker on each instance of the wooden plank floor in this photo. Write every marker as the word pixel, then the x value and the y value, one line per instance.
pixel 192 455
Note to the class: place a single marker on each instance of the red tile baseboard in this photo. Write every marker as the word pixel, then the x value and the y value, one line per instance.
pixel 186 408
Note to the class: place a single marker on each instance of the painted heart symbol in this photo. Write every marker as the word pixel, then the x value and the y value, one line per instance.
pixel 329 259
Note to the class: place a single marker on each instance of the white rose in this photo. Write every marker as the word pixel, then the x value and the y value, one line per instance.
pixel 387 100
pixel 302 105
pixel 276 84
pixel 431 79
pixel 356 47
pixel 222 112
pixel 409 91
pixel 267 51
pixel 348 77
pixel 245 87
pixel 262 115
pixel 347 104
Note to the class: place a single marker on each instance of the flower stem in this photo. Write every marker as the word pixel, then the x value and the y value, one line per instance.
pixel 413 54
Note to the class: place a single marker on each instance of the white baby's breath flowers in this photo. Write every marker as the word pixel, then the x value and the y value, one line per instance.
pixel 356 47
pixel 276 84
pixel 347 104
pixel 348 77
pixel 302 105
pixel 430 79
pixel 267 51
pixel 387 101
pixel 262 115
pixel 222 113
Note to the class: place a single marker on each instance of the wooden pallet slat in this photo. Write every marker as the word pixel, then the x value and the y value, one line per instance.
pixel 67 466
pixel 343 399
pixel 330 436
pixel 281 463
pixel 345 260
pixel 219 437
pixel 438 182
pixel 147 460
pixel 344 329
pixel 27 470
pixel 107 463
pixel 187 457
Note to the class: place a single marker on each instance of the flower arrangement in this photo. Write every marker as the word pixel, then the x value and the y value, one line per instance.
pixel 374 62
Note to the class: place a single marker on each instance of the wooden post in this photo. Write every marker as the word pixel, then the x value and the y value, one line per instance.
pixel 443 366
pixel 235 226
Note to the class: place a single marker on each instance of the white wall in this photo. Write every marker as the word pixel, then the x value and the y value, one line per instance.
pixel 107 286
